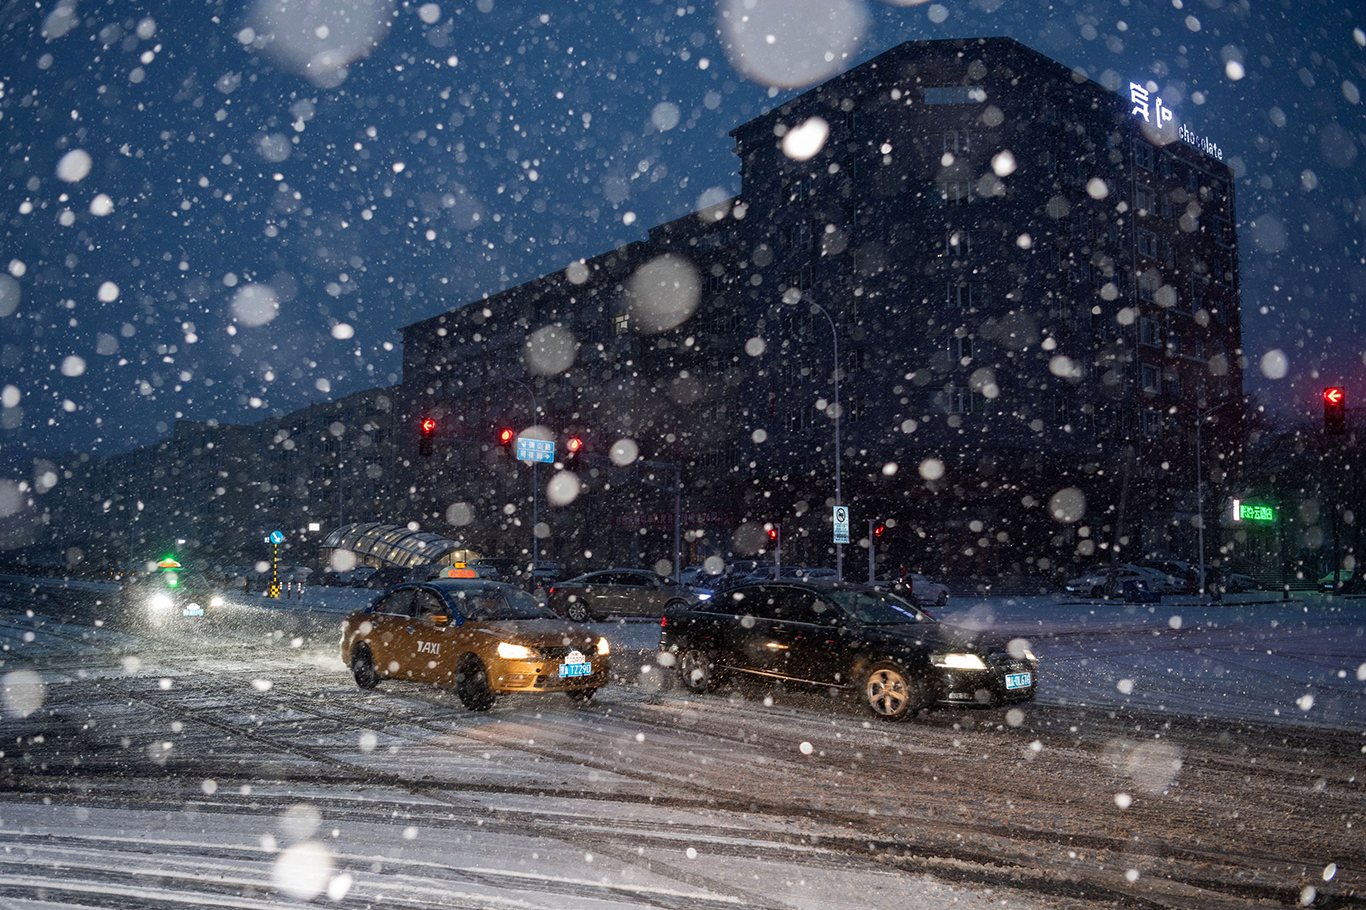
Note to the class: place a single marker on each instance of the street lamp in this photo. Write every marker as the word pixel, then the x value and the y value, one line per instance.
pixel 839 501
pixel 1200 489
pixel 535 483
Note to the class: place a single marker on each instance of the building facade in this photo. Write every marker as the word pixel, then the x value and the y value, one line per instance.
pixel 1034 294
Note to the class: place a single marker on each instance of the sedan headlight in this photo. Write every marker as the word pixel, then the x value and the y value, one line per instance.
pixel 958 661
pixel 603 647
pixel 162 602
pixel 509 651
pixel 215 601
pixel 1029 655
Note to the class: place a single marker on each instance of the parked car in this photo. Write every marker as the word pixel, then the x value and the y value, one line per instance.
pixel 794 573
pixel 1093 583
pixel 617 592
pixel 508 569
pixel 386 577
pixel 1343 576
pixel 843 636
pixel 920 589
pixel 546 571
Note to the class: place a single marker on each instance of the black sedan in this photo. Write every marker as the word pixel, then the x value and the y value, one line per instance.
pixel 894 655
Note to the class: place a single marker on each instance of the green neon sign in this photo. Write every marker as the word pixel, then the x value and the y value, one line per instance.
pixel 1246 511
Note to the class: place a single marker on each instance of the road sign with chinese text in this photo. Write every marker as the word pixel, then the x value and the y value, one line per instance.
pixel 529 449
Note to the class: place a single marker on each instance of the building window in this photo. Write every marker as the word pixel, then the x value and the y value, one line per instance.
pixel 960 140
pixel 960 400
pixel 621 325
pixel 1174 341
pixel 1166 204
pixel 964 295
pixel 1050 113
pixel 1152 378
pixel 1223 232
pixel 1149 332
pixel 1199 349
pixel 1062 410
pixel 1174 384
pixel 1147 287
pixel 957 243
pixel 1145 199
pixel 960 348
pixel 955 94
pixel 712 284
pixel 1050 162
pixel 1147 243
pixel 1144 155
pixel 1168 252
pixel 1201 393
pixel 1199 292
pixel 957 192
pixel 1164 164
pixel 1152 423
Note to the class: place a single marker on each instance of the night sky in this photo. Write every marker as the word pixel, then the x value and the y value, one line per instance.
pixel 219 210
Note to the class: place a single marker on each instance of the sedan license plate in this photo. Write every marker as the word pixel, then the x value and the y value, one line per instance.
pixel 192 610
pixel 1019 680
pixel 583 669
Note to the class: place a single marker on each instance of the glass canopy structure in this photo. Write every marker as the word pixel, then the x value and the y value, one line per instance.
pixel 377 544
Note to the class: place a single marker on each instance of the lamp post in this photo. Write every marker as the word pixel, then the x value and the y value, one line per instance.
pixel 839 501
pixel 535 483
pixel 1200 490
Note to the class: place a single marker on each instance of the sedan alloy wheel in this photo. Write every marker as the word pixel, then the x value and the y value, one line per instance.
pixel 891 693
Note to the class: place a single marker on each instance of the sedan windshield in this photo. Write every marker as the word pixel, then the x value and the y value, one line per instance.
pixel 497 603
pixel 878 609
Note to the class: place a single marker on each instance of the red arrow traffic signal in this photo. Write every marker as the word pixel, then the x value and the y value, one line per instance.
pixel 1334 411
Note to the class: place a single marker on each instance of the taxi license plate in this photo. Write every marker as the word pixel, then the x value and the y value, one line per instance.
pixel 192 610
pixel 583 669
pixel 1019 680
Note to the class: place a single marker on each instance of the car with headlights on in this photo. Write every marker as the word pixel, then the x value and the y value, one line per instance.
pixel 477 637
pixel 166 594
pixel 893 655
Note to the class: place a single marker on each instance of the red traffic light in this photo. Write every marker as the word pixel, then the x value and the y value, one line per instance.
pixel 1334 411
pixel 428 426
pixel 505 437
pixel 772 533
pixel 877 532
pixel 573 444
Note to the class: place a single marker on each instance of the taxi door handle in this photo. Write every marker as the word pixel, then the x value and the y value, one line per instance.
pixel 412 631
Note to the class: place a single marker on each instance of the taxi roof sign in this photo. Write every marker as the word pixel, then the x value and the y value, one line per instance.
pixel 459 573
pixel 169 563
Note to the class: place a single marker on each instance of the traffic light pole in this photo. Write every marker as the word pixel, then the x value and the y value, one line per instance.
pixel 872 557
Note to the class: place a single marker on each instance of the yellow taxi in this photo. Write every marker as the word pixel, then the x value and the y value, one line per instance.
pixel 481 638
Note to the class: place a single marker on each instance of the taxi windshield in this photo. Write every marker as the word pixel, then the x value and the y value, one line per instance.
pixel 877 609
pixel 497 603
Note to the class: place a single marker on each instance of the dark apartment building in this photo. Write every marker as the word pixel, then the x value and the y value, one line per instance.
pixel 1034 289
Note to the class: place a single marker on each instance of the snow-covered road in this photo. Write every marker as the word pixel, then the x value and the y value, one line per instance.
pixel 238 766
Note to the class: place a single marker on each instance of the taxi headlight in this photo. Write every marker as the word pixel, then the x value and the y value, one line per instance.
pixel 603 647
pixel 162 602
pixel 215 601
pixel 509 651
pixel 958 661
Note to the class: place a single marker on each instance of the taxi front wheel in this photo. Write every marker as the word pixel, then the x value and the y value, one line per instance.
pixel 581 695
pixel 472 684
pixel 363 667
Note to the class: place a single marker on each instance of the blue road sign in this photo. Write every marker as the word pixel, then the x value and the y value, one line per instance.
pixel 529 449
pixel 277 536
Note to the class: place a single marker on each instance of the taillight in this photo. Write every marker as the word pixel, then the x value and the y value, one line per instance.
pixel 552 589
pixel 663 621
